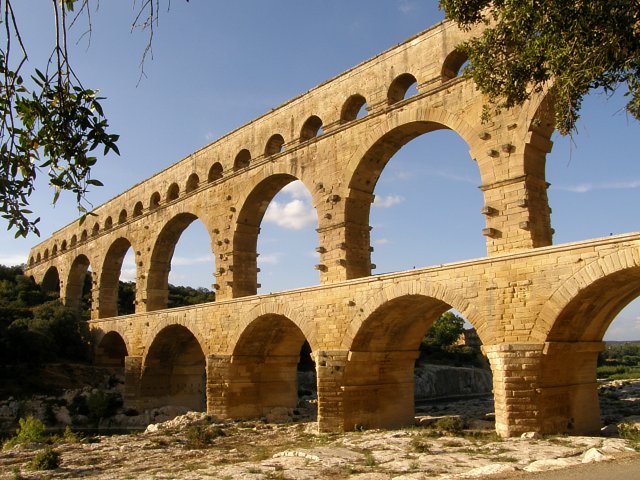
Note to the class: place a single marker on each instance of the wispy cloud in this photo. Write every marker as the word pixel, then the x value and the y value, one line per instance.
pixel 388 201
pixel 269 259
pixel 185 261
pixel 382 241
pixel 406 6
pixel 588 187
pixel 294 212
pixel 13 259
pixel 453 177
pixel 128 275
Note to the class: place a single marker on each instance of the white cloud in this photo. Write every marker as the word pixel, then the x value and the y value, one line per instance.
pixel 185 261
pixel 387 202
pixel 294 215
pixel 587 187
pixel 128 275
pixel 269 259
pixel 406 6
pixel 382 241
pixel 13 259
pixel 296 190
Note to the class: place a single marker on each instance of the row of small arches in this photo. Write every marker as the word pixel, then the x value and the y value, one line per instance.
pixel 355 107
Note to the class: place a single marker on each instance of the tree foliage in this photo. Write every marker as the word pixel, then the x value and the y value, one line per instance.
pixel 570 48
pixel 50 122
pixel 445 331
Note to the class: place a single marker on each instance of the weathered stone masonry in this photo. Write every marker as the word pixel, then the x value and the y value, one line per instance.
pixel 540 310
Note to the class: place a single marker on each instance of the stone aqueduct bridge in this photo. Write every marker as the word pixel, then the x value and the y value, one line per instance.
pixel 540 310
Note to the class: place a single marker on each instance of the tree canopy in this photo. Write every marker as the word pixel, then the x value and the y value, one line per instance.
pixel 51 123
pixel 570 48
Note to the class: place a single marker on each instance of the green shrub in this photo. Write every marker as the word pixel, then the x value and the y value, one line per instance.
pixel 201 436
pixel 420 445
pixel 46 459
pixel 452 425
pixel 31 430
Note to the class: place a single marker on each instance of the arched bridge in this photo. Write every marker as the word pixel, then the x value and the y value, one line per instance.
pixel 540 310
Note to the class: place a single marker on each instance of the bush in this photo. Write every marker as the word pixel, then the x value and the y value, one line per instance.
pixel 452 425
pixel 47 459
pixel 201 436
pixel 31 430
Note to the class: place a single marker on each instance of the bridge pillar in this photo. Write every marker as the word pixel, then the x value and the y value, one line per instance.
pixel 568 388
pixel 218 373
pixel 379 389
pixel 132 381
pixel 516 376
pixel 330 368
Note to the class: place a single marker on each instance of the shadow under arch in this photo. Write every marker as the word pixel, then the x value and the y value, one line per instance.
pixel 110 278
pixel 160 265
pixel 263 374
pixel 568 378
pixel 364 172
pixel 76 282
pixel 110 350
pixel 173 371
pixel 245 238
pixel 51 282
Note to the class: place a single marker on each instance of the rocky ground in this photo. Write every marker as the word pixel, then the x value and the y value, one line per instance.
pixel 193 446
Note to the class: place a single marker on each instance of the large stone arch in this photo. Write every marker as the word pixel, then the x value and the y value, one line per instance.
pixel 109 278
pixel 74 285
pixel 263 368
pixel 157 281
pixel 573 322
pixel 365 166
pixel 247 228
pixel 174 370
pixel 378 377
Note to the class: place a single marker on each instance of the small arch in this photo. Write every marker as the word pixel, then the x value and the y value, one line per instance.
pixel 399 88
pixel 31 261
pixel 137 209
pixel 83 236
pixel 95 229
pixel 54 250
pixel 63 246
pixel 74 240
pixel 75 284
pixel 108 223
pixel 275 145
pixel 38 257
pixel 154 201
pixel 174 370
pixel 51 281
pixel 243 159
pixel 453 65
pixel 122 217
pixel 312 128
pixel 354 107
pixel 192 183
pixel 173 192
pixel 109 278
pixel 111 350
pixel 46 253
pixel 215 172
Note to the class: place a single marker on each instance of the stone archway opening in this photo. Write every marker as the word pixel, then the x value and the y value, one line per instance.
pixel 379 377
pixel 51 283
pixel 79 287
pixel 182 268
pixel 414 202
pixel 569 359
pixel 117 282
pixel 280 210
pixel 272 372
pixel 111 351
pixel 174 372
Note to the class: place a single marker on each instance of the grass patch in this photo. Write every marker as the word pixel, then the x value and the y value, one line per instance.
pixel 31 430
pixel 420 445
pixel 202 436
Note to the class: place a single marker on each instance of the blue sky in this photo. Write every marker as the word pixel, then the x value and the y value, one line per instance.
pixel 218 65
